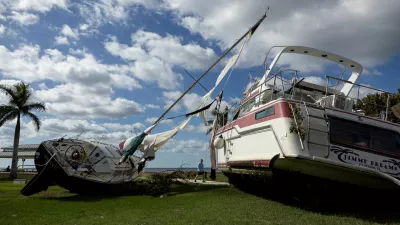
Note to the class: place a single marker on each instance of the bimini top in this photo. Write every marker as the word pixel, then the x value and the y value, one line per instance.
pixel 355 67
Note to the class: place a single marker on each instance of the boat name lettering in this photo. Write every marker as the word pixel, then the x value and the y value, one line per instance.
pixel 348 156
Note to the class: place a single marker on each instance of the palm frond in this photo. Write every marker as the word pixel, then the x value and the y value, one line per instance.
pixel 5 109
pixel 38 106
pixel 35 119
pixel 7 117
pixel 22 94
pixel 8 91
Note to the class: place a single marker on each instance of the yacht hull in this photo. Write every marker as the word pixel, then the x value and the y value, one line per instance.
pixel 265 146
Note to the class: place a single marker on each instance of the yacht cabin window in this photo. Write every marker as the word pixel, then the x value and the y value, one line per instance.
pixel 266 112
pixel 356 135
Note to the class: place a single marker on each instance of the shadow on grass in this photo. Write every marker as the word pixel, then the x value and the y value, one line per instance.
pixel 338 200
pixel 176 189
pixel 78 198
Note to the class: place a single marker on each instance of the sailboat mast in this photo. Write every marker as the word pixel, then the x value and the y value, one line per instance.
pixel 212 66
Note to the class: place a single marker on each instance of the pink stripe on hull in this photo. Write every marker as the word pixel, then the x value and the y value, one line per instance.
pixel 247 163
pixel 281 110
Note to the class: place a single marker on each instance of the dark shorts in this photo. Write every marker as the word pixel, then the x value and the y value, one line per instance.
pixel 200 173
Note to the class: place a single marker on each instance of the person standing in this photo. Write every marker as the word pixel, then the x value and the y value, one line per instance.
pixel 200 170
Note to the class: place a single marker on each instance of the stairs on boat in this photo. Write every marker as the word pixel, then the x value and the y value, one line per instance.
pixel 317 130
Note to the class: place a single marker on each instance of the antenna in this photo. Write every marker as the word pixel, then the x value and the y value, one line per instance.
pixel 77 136
pixel 62 138
pixel 98 140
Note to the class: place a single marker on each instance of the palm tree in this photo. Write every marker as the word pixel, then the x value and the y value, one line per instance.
pixel 18 105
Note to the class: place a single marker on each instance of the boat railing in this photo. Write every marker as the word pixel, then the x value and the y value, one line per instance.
pixel 350 102
pixel 276 87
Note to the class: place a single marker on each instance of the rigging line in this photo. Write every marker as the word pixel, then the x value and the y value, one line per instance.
pixel 252 30
pixel 240 52
pixel 195 80
pixel 234 65
pixel 194 112
pixel 174 117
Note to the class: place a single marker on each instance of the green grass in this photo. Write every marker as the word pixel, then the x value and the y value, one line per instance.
pixel 185 204
pixel 219 177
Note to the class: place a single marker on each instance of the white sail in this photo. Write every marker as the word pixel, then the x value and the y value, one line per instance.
pixel 154 142
pixel 151 143
pixel 231 62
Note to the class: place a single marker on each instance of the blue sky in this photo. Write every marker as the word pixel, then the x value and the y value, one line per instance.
pixel 107 66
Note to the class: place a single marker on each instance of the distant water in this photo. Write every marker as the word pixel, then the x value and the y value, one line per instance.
pixel 155 170
pixel 150 170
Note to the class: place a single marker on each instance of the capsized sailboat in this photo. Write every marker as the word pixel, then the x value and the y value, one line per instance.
pixel 83 166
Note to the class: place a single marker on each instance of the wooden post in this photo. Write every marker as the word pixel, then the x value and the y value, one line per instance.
pixel 213 174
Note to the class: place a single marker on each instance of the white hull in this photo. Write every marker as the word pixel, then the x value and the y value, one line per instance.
pixel 266 144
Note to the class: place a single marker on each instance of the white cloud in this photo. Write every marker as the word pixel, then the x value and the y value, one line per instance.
pixel 152 57
pixel 362 92
pixel 80 78
pixel 343 27
pixel 149 69
pixel 316 80
pixel 112 133
pixel 170 50
pixel 171 95
pixel 83 27
pixel 59 40
pixel 54 126
pixel 373 72
pixel 43 86
pixel 190 101
pixel 76 100
pixel 24 18
pixel 151 106
pixel 153 119
pixel 198 129
pixel 111 11
pixel 234 100
pixel 356 92
pixel 71 33
pixel 7 134
pixel 192 147
pixel 126 127
pixel 3 98
pixel 124 82
pixel 8 82
pixel 27 64
pixel 78 52
pixel 34 5
pixel 2 29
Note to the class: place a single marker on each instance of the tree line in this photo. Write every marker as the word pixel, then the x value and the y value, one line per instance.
pixel 375 104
